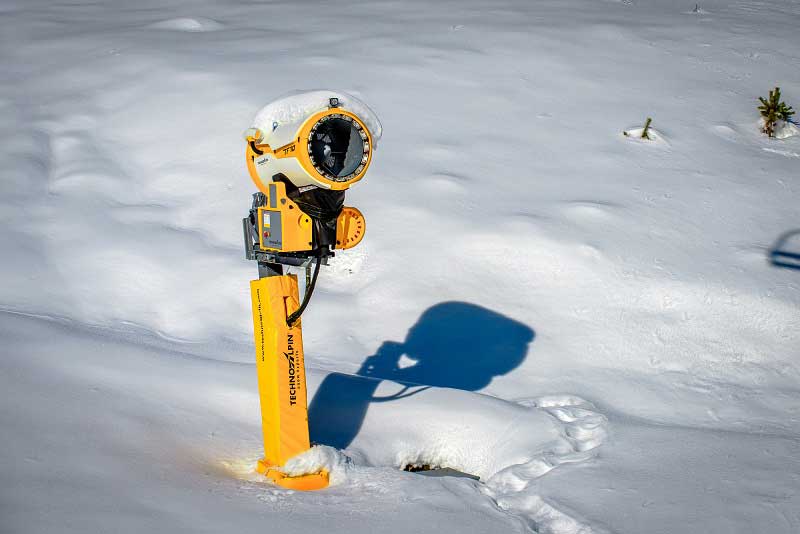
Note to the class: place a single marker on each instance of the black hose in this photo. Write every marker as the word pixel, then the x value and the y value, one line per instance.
pixel 255 149
pixel 309 290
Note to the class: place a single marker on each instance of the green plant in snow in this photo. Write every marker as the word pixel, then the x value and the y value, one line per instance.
pixel 772 110
pixel 645 132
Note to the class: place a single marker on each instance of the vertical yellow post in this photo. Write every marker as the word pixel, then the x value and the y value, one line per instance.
pixel 281 379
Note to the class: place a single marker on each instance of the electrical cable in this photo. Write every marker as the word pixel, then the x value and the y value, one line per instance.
pixel 309 290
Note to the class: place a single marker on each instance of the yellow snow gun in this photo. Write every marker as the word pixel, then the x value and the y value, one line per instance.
pixel 302 165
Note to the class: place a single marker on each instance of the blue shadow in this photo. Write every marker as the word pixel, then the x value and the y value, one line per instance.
pixel 452 345
pixel 786 251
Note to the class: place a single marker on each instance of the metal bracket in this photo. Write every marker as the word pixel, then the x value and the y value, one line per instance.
pixel 307 265
pixel 294 259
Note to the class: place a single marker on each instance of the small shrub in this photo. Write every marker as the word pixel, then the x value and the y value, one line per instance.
pixel 645 132
pixel 772 110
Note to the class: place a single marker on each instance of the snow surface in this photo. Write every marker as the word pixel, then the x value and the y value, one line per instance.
pixel 534 291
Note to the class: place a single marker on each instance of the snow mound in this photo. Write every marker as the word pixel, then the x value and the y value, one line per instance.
pixel 656 137
pixel 185 24
pixel 316 459
pixel 785 130
pixel 508 444
pixel 385 423
pixel 726 131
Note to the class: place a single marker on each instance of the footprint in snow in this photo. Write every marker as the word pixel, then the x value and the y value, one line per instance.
pixel 580 425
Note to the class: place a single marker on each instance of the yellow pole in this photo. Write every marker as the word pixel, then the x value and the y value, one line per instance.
pixel 281 380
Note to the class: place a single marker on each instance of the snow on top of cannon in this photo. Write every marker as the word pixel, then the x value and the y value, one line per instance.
pixel 297 105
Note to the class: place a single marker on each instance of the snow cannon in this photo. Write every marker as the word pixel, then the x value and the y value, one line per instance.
pixel 303 152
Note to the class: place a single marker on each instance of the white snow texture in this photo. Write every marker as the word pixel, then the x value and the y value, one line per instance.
pixel 604 329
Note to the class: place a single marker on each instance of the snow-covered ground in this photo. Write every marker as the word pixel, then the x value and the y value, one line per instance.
pixel 618 320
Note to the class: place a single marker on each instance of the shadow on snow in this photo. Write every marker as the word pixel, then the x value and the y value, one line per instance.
pixel 786 251
pixel 452 345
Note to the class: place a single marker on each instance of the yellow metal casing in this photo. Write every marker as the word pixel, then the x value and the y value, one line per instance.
pixel 314 481
pixel 350 228
pixel 281 379
pixel 282 226
pixel 293 160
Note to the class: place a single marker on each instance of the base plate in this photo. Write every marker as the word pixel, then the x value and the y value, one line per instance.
pixel 314 481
